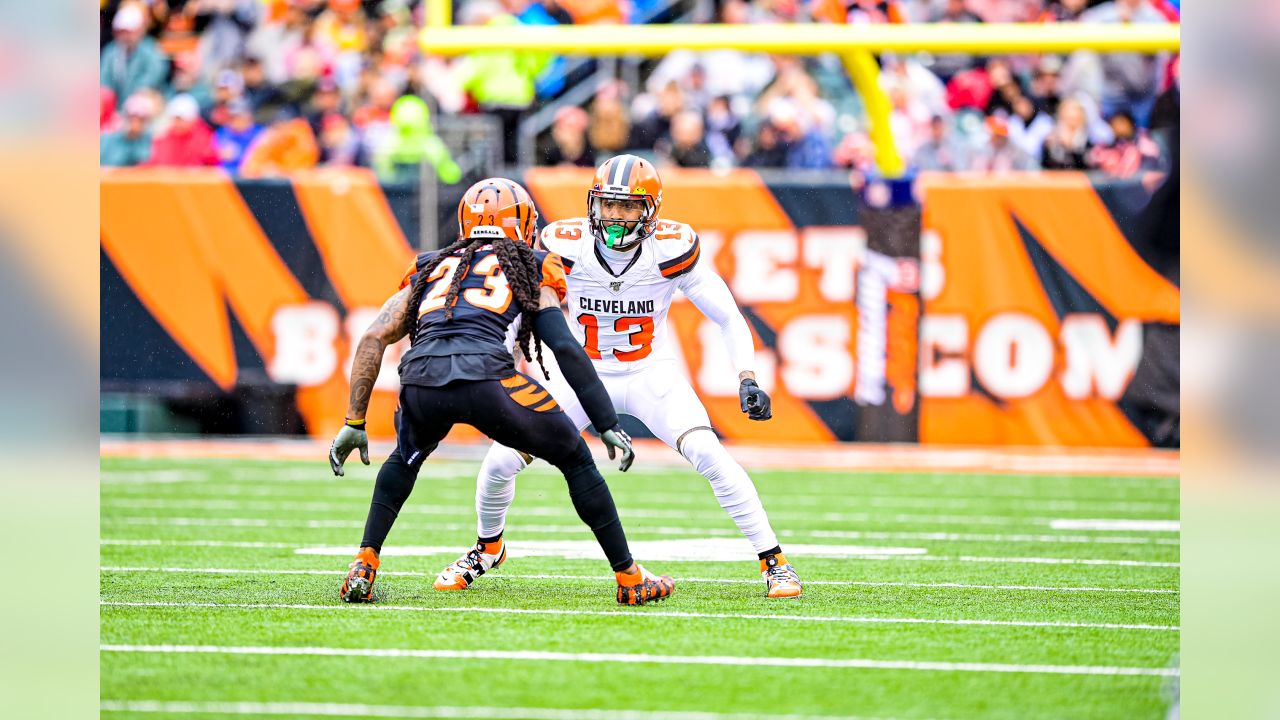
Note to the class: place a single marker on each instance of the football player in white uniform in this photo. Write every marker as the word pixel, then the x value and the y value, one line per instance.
pixel 624 264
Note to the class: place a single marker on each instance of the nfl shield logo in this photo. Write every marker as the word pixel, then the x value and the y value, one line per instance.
pixel 615 286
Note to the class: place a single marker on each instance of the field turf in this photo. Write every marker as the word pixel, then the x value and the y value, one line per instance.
pixel 927 596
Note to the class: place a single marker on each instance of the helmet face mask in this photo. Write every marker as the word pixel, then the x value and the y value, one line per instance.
pixel 624 202
pixel 619 220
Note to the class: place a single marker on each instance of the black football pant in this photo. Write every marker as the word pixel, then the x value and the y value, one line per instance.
pixel 516 412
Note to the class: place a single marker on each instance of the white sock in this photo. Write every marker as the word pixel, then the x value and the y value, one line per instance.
pixel 732 486
pixel 496 489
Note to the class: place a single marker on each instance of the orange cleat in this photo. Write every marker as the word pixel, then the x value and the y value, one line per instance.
pixel 467 569
pixel 779 577
pixel 358 587
pixel 642 586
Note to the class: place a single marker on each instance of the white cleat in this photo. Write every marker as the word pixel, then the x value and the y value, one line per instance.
pixel 467 569
pixel 780 579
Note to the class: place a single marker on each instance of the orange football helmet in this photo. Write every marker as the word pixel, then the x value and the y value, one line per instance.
pixel 625 177
pixel 496 207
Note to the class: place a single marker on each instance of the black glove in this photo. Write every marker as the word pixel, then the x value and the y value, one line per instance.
pixel 755 402
pixel 617 439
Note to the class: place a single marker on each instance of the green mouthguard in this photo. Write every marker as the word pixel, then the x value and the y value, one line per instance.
pixel 613 234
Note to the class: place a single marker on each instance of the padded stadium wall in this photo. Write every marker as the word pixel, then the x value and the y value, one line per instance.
pixel 1011 309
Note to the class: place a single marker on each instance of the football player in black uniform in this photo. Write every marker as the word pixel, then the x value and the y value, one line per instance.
pixel 464 308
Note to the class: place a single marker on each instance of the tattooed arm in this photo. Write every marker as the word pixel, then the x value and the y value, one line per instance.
pixel 385 330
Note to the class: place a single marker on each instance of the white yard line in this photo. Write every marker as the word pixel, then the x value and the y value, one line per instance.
pixel 865 457
pixel 154 542
pixel 989 537
pixel 862 554
pixel 357 710
pixel 1043 561
pixel 656 614
pixel 499 575
pixel 237 522
pixel 358 490
pixel 1116 524
pixel 631 659
pixel 567 511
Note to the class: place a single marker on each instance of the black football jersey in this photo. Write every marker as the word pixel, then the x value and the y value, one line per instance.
pixel 478 341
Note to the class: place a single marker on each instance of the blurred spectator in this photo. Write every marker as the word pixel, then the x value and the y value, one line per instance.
pixel 856 152
pixel 325 102
pixel 859 12
pixel 339 145
pixel 1029 126
pixel 277 36
pixel 1065 148
pixel 131 144
pixel 1004 87
pixel 569 144
pixel 655 123
pixel 226 89
pixel 500 81
pixel 106 109
pixel 953 11
pixel 940 150
pixel 769 150
pixel 908 120
pixel 1128 79
pixel 283 147
pixel 1001 155
pixel 312 44
pixel 1044 84
pixel 696 95
pixel 969 89
pixel 340 37
pixel 187 141
pixel 723 130
pixel 728 72
pixel 187 79
pixel 687 146
pixel 264 97
pixel 529 12
pixel 922 85
pixel 411 142
pixel 807 149
pixel 1130 152
pixel 609 128
pixel 223 26
pixel 376 111
pixel 1063 10
pixel 236 134
pixel 295 93
pixel 132 61
pixel 590 12
pixel 1168 107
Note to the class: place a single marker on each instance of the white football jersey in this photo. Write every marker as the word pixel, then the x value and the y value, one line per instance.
pixel 621 320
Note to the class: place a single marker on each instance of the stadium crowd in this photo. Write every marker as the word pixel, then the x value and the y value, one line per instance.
pixel 264 87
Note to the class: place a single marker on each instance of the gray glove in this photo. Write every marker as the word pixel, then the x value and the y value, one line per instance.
pixel 349 438
pixel 617 439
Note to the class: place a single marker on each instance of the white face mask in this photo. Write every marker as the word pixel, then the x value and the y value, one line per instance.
pixel 616 232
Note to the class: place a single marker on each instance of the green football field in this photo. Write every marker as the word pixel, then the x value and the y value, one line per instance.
pixel 927 596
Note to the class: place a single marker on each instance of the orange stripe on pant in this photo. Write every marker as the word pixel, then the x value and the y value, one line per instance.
pixel 529 396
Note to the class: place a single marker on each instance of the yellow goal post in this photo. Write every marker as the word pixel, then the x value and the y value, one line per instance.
pixel 855 44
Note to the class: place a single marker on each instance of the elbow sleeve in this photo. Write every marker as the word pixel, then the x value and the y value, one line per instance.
pixel 551 329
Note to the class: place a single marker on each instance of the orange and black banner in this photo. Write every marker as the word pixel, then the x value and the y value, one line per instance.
pixel 1007 310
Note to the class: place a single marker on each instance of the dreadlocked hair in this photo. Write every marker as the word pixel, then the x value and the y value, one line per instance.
pixel 420 283
pixel 519 266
